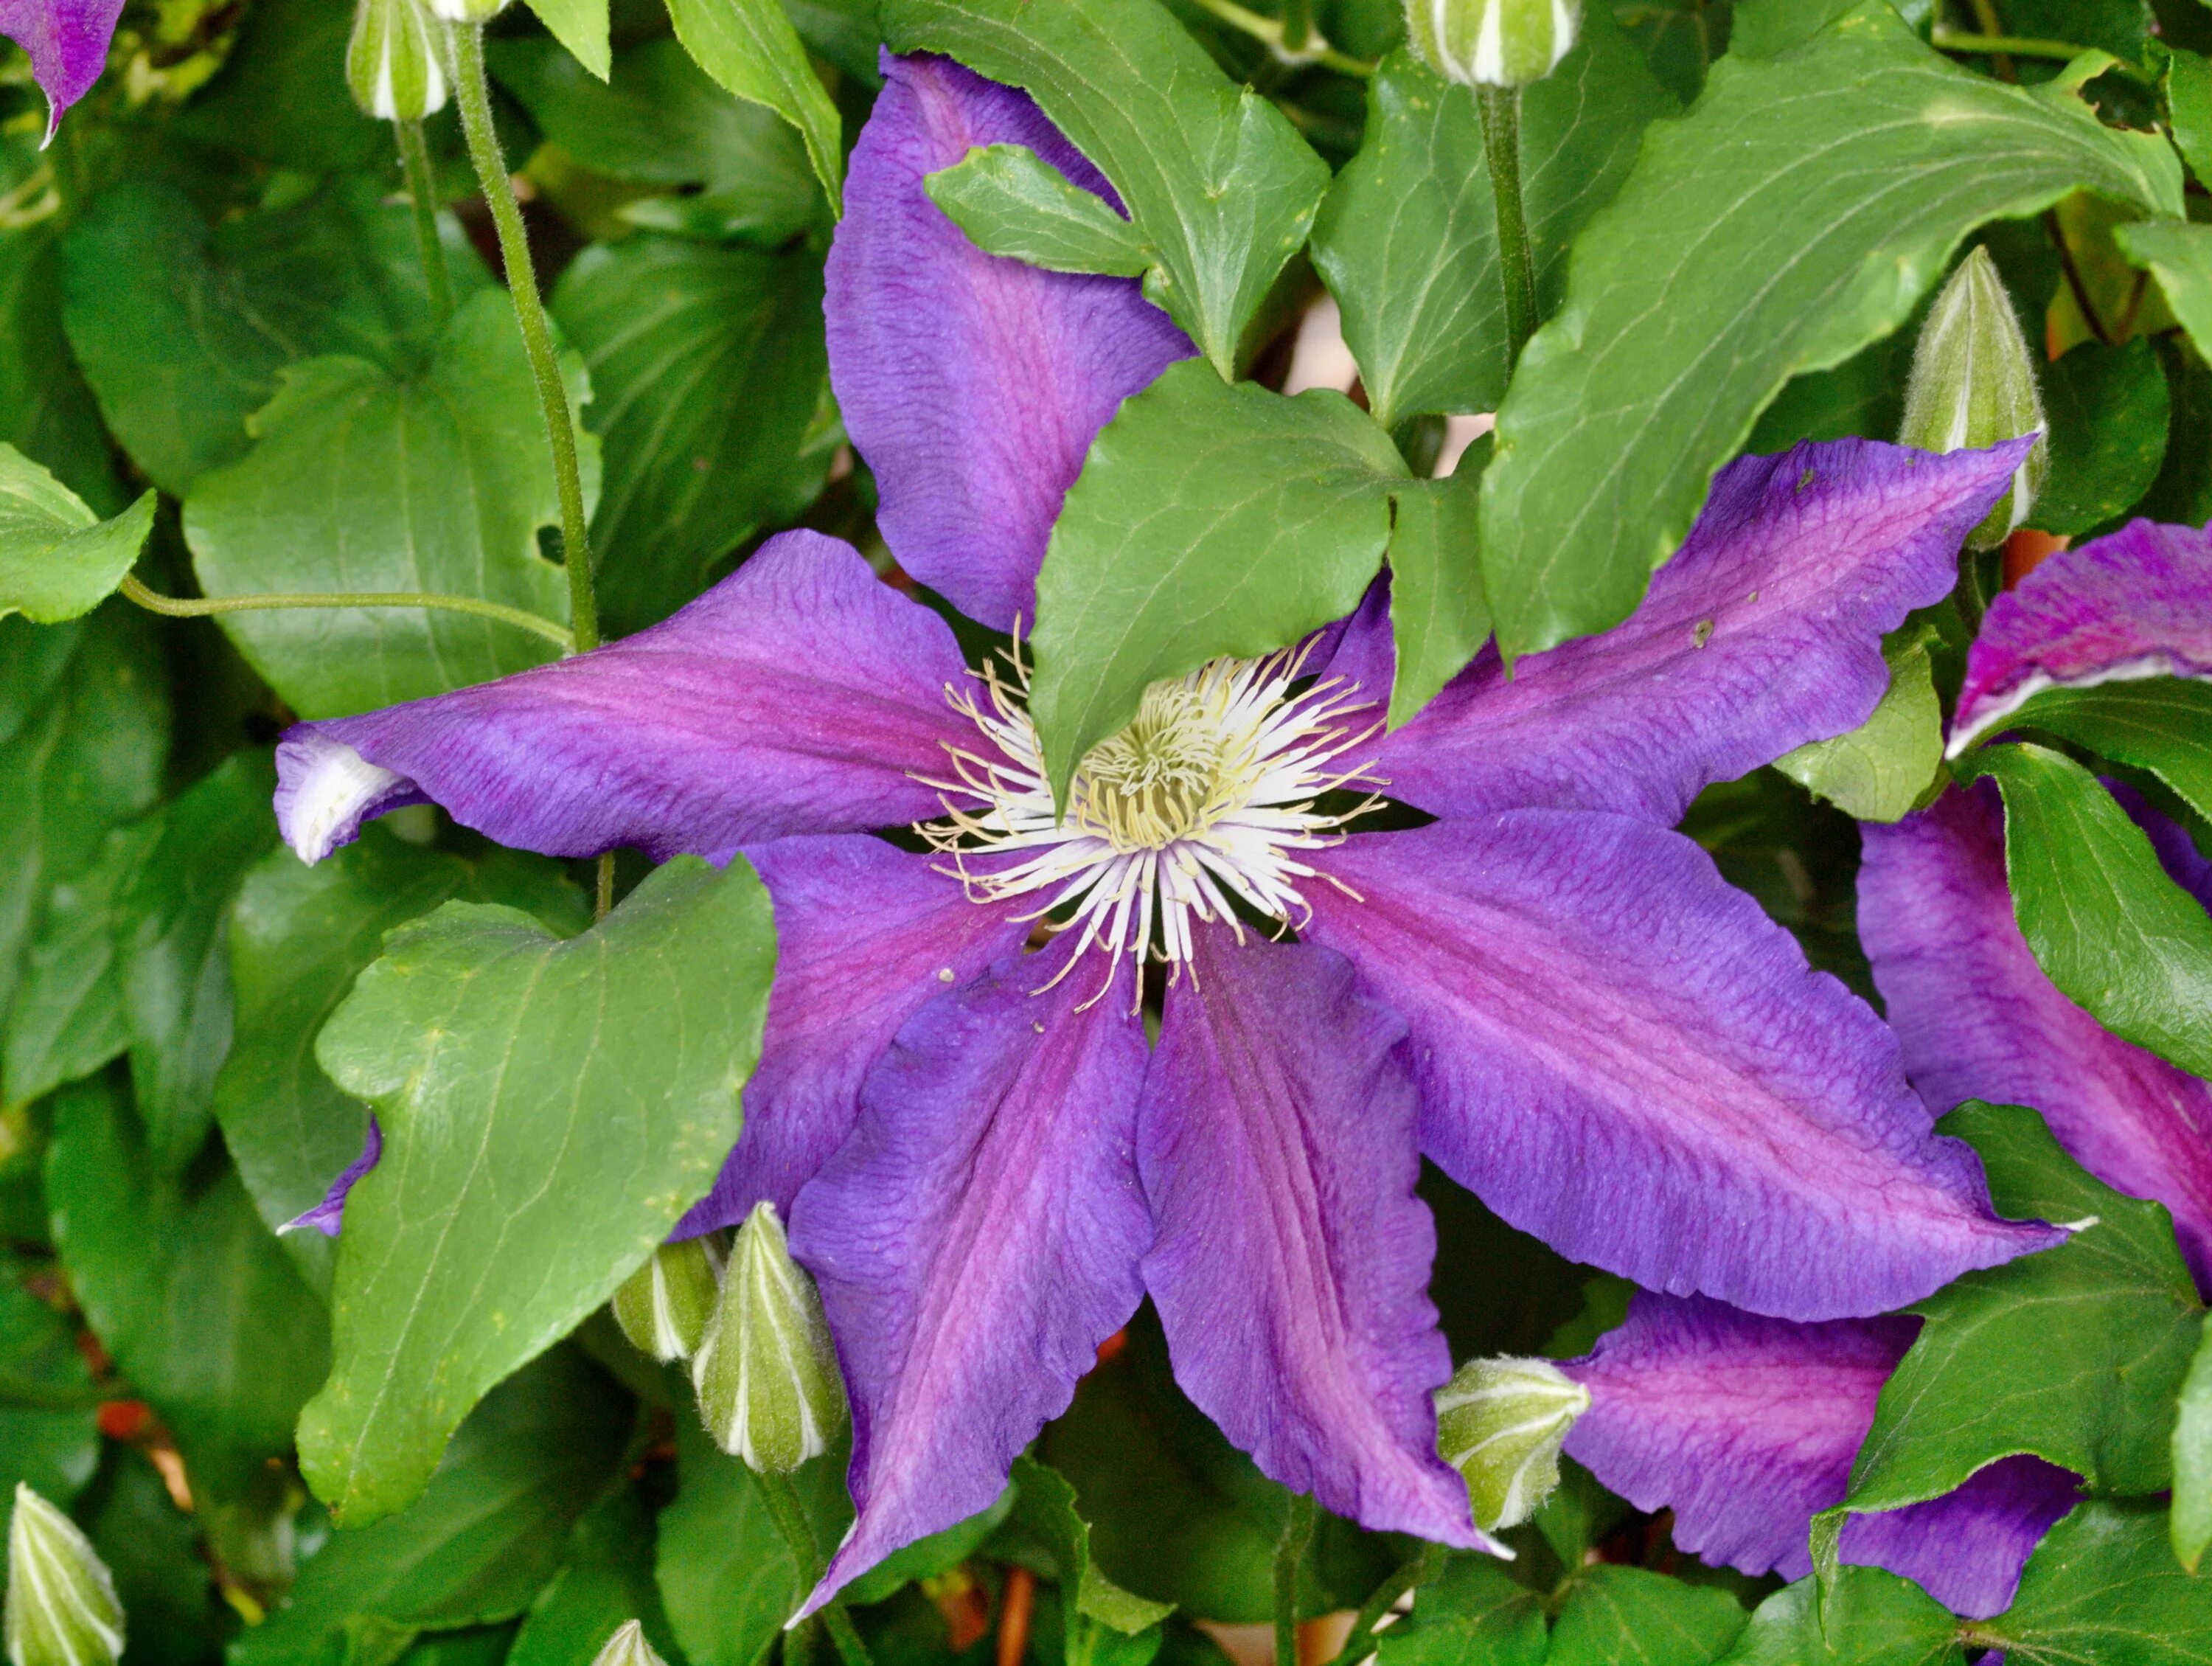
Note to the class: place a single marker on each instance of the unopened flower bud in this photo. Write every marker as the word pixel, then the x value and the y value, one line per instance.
pixel 1493 43
pixel 1500 1423
pixel 395 61
pixel 766 1371
pixel 1974 385
pixel 62 1610
pixel 627 1647
pixel 467 11
pixel 663 1307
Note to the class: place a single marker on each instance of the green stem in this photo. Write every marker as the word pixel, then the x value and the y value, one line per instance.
pixel 1990 46
pixel 1421 1571
pixel 473 93
pixel 1517 266
pixel 1309 46
pixel 196 607
pixel 1290 1552
pixel 790 1517
pixel 422 187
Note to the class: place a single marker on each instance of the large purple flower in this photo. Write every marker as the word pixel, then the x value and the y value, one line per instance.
pixel 67 40
pixel 1547 991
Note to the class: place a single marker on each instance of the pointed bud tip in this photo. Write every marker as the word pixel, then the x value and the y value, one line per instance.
pixel 62 1606
pixel 766 1372
pixel 1501 1423
pixel 1493 43
pixel 627 1647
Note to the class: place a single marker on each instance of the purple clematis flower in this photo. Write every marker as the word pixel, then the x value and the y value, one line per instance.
pixel 67 40
pixel 1976 1016
pixel 1746 1427
pixel 985 1166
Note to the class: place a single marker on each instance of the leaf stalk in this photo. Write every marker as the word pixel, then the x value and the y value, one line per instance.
pixel 196 607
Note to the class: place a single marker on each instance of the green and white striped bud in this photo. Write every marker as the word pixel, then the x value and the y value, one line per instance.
pixel 627 1647
pixel 395 61
pixel 766 1371
pixel 1493 43
pixel 62 1610
pixel 467 11
pixel 1974 385
pixel 1500 1423
pixel 663 1307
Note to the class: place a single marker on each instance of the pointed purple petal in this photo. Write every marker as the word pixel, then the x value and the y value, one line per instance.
pixel 328 1215
pixel 67 40
pixel 1978 1020
pixel 1746 1427
pixel 866 934
pixel 1763 632
pixel 972 385
pixel 976 1240
pixel 2133 604
pixel 799 695
pixel 1619 1052
pixel 1276 1146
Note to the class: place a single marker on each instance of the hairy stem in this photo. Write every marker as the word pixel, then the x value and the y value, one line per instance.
pixel 1290 1552
pixel 196 607
pixel 1516 265
pixel 473 93
pixel 422 188
pixel 790 1516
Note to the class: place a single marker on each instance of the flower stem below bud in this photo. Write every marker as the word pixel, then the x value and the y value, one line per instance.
pixel 1516 265
pixel 790 1518
pixel 1290 1552
pixel 422 188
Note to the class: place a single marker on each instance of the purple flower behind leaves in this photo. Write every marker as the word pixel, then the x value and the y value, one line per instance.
pixel 67 40
pixel 1546 991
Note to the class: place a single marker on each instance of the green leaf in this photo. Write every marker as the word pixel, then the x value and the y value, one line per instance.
pixel 58 559
pixel 45 409
pixel 182 328
pixel 1210 518
pixel 298 938
pixel 1684 313
pixel 2108 411
pixel 925 1557
pixel 1681 37
pixel 1012 201
pixel 480 1034
pixel 282 99
pixel 1872 1619
pixel 47 1438
pixel 171 957
pixel 1216 181
pixel 1878 771
pixel 750 47
pixel 1631 1616
pixel 607 1582
pixel 2102 1590
pixel 365 482
pixel 2189 104
pixel 2163 724
pixel 1477 1612
pixel 2191 1527
pixel 2107 925
pixel 185 1287
pixel 68 1018
pixel 2074 1353
pixel 2180 256
pixel 711 374
pixel 1407 239
pixel 483 1540
pixel 1045 1509
pixel 581 26
pixel 1438 617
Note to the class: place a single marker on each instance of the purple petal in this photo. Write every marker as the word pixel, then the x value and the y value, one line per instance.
pixel 799 695
pixel 1746 1427
pixel 67 40
pixel 1978 1020
pixel 328 1215
pixel 973 385
pixel 1763 632
pixel 976 1240
pixel 1276 1146
pixel 866 934
pixel 2136 603
pixel 1619 1053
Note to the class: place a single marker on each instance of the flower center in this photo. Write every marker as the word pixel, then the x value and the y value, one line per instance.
pixel 1206 796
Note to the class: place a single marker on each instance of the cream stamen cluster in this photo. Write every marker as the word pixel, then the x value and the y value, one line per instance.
pixel 1205 797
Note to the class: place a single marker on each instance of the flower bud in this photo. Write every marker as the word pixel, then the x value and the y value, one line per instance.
pixel 395 61
pixel 466 11
pixel 663 1307
pixel 1974 385
pixel 62 1610
pixel 1493 43
pixel 627 1647
pixel 1500 1423
pixel 766 1371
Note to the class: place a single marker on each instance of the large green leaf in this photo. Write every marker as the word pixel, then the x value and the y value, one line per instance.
pixel 1213 176
pixel 155 1552
pixel 1686 313
pixel 67 1019
pixel 2180 256
pixel 1869 1618
pixel 1631 1616
pixel 750 48
pixel 2075 1353
pixel 2191 1523
pixel 1045 1516
pixel 2108 410
pixel 362 480
pixel 1407 236
pixel 1439 619
pixel 58 559
pixel 607 1582
pixel 2105 923
pixel 2163 724
pixel 581 27
pixel 281 98
pixel 46 409
pixel 1210 518
pixel 299 936
pixel 1012 201
pixel 481 1542
pixel 2102 1590
pixel 709 372
pixel 1476 1612
pixel 182 328
pixel 549 1108
pixel 185 1287
pixel 1878 771
pixel 171 918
